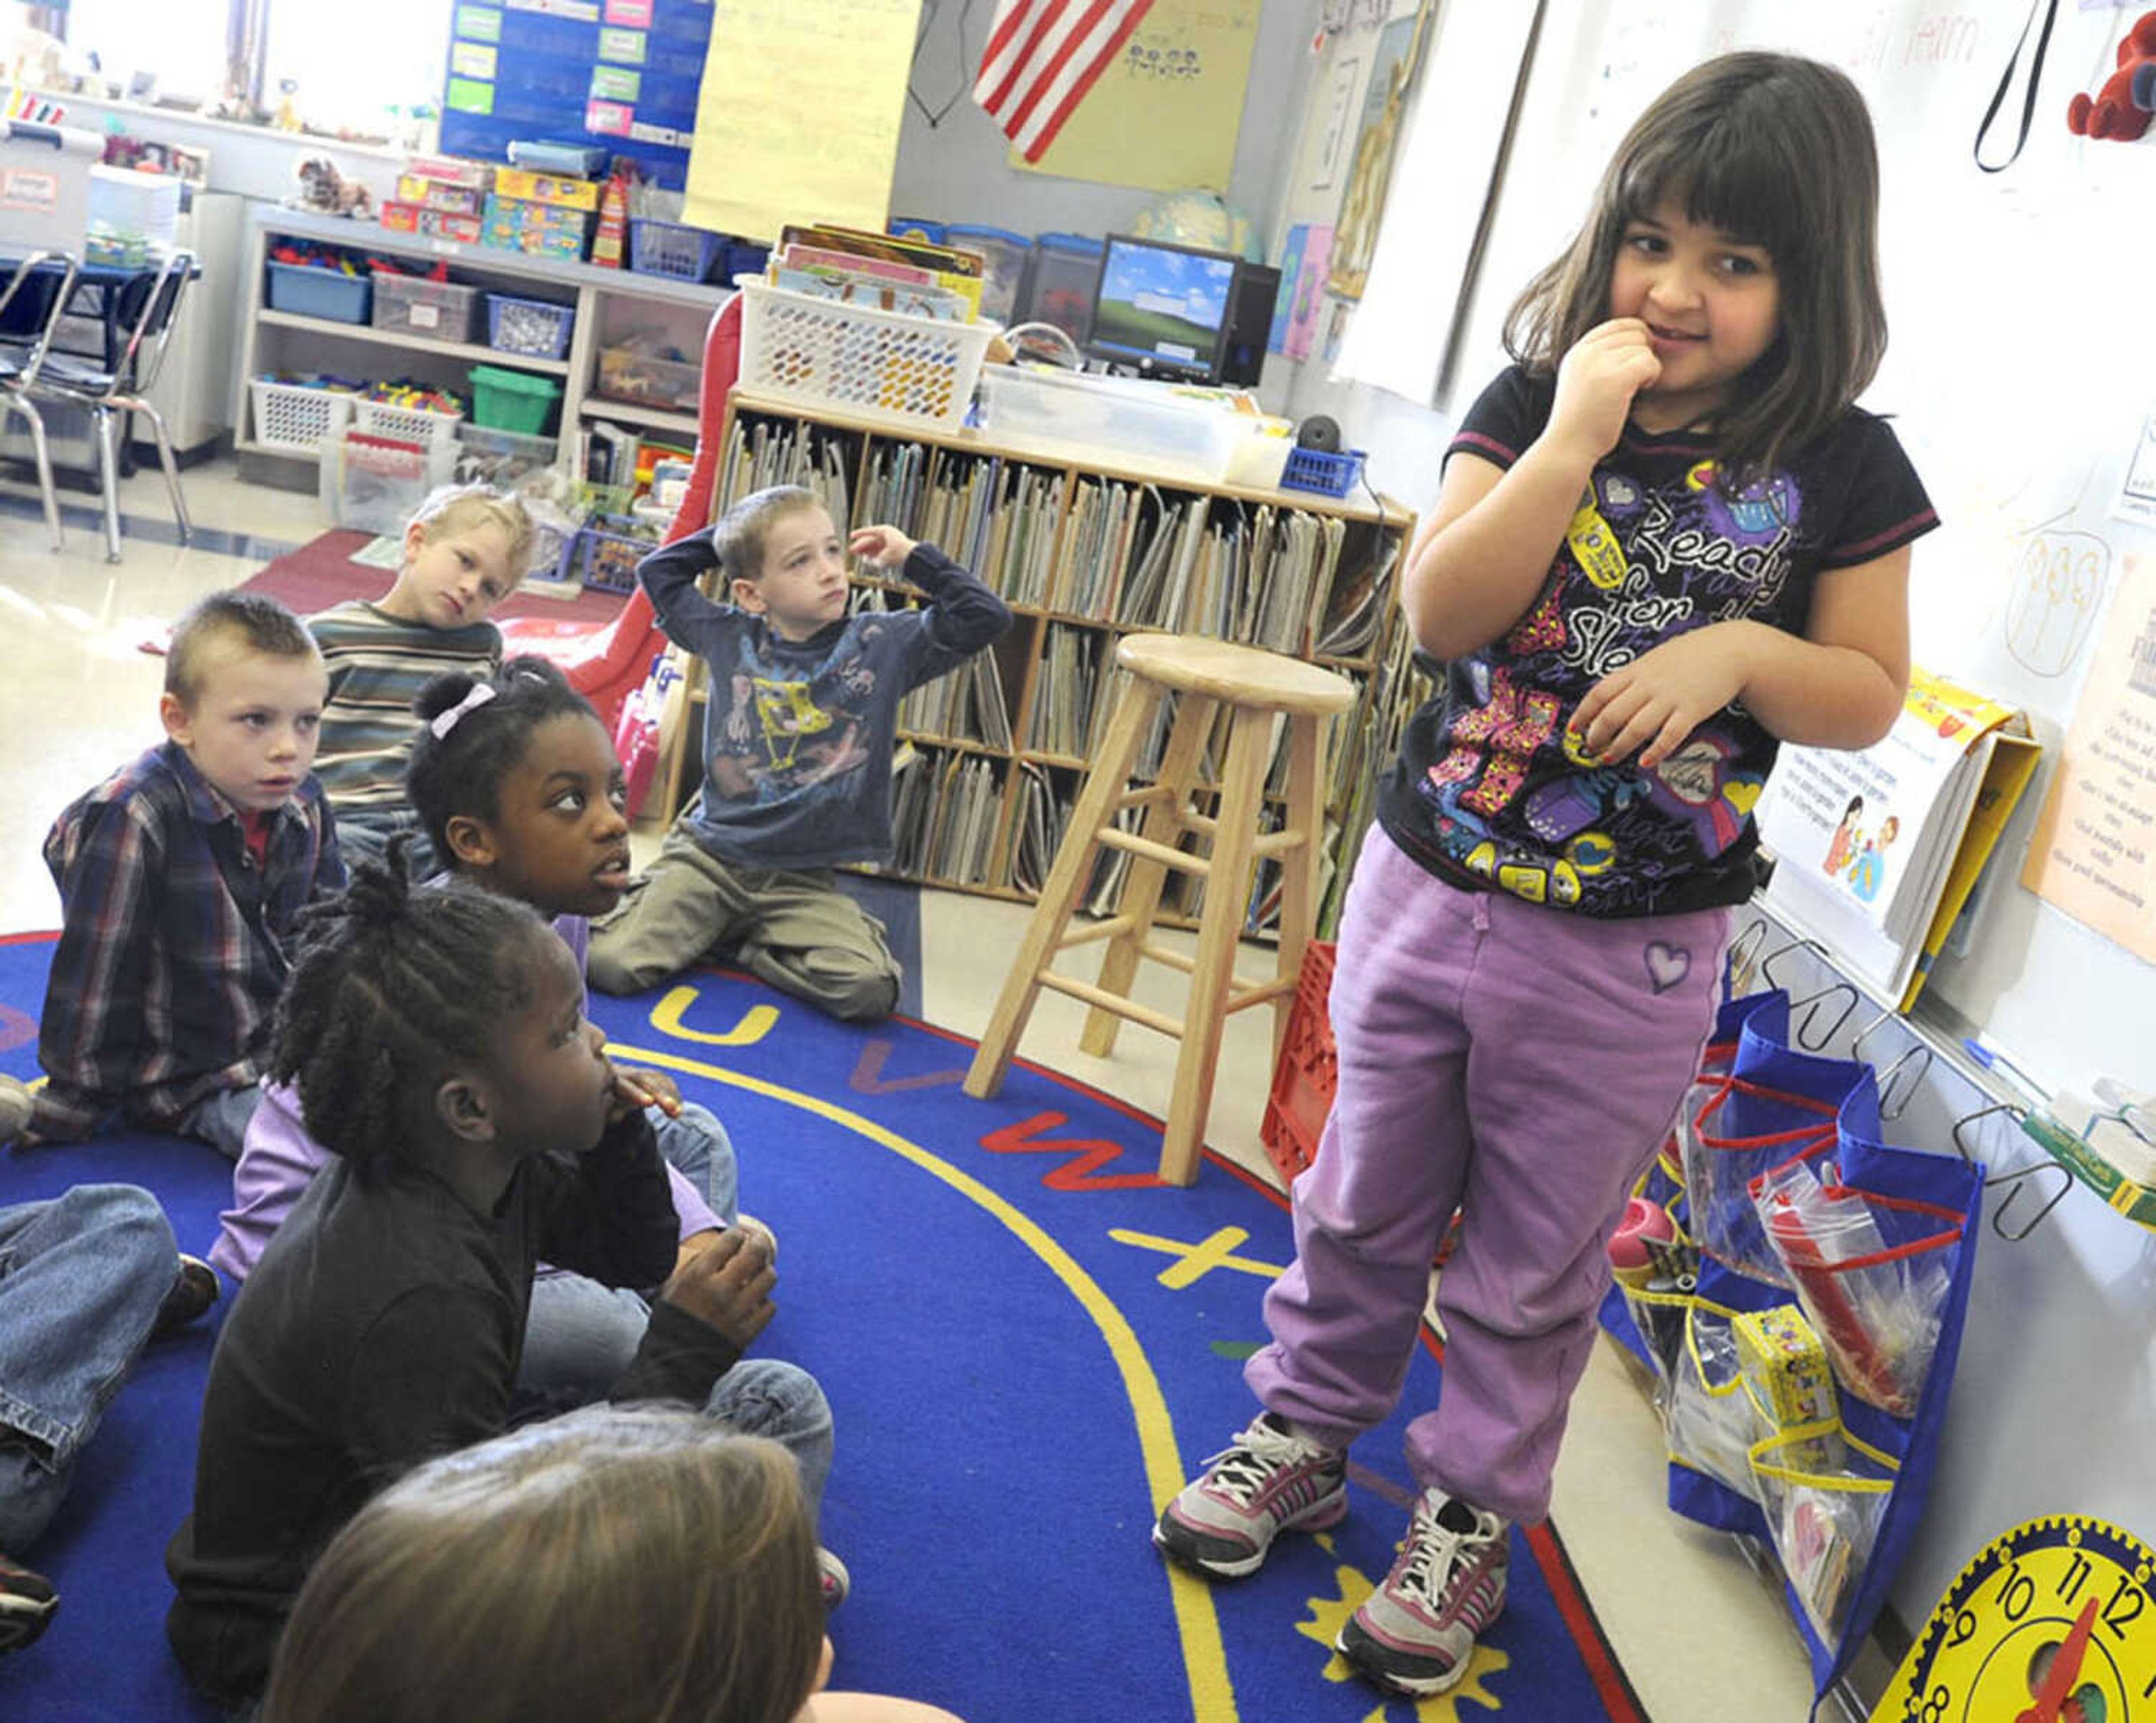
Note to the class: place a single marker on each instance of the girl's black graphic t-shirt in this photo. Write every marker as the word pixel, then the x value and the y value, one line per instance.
pixel 1488 794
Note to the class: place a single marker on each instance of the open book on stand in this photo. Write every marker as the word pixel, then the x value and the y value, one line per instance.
pixel 1878 850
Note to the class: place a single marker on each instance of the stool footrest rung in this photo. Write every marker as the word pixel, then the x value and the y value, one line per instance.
pixel 1116 838
pixel 1274 843
pixel 1107 1002
pixel 1086 935
pixel 1147 797
pixel 1243 995
pixel 1174 960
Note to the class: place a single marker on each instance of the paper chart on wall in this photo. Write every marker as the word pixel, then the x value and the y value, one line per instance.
pixel 2094 852
pixel 799 116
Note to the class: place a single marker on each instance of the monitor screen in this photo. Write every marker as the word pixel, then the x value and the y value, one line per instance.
pixel 1162 308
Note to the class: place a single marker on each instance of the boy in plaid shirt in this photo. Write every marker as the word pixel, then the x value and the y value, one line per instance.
pixel 180 877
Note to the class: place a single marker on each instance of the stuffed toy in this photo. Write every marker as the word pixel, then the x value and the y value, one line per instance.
pixel 2121 110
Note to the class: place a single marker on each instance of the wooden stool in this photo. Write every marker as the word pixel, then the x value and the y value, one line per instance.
pixel 1256 688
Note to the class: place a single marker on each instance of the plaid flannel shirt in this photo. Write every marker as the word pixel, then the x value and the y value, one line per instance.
pixel 173 943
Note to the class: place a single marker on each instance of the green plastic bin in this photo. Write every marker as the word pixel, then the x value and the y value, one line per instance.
pixel 512 400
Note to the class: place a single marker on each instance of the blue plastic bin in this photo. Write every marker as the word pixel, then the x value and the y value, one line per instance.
pixel 1007 254
pixel 328 294
pixel 1328 474
pixel 530 328
pixel 744 257
pixel 667 248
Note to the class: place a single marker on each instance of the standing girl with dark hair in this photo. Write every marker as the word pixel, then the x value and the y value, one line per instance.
pixel 437 1043
pixel 1667 539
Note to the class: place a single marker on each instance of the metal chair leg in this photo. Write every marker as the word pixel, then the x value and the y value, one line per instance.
pixel 171 464
pixel 108 473
pixel 42 457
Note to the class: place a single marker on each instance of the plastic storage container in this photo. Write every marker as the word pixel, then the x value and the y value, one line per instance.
pixel 607 555
pixel 645 382
pixel 130 205
pixel 512 400
pixel 373 484
pixel 797 348
pixel 668 248
pixel 1307 1074
pixel 530 328
pixel 500 457
pixel 1006 254
pixel 409 425
pixel 1067 269
pixel 1119 422
pixel 1328 474
pixel 44 185
pixel 439 311
pixel 328 294
pixel 290 415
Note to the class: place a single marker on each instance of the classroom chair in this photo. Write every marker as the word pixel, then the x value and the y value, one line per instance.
pixel 1258 690
pixel 116 384
pixel 30 308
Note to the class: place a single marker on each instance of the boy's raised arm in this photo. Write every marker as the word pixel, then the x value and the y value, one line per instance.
pixel 669 577
pixel 963 616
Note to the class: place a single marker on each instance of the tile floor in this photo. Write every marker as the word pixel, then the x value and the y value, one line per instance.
pixel 1701 1636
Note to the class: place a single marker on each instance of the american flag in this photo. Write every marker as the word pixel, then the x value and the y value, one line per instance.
pixel 1043 56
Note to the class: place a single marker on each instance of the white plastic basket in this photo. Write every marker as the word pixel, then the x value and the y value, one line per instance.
pixel 406 424
pixel 797 348
pixel 288 415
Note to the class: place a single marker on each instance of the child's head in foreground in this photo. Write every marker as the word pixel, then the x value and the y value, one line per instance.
pixel 437 1026
pixel 618 1562
pixel 465 549
pixel 1775 154
pixel 243 692
pixel 783 559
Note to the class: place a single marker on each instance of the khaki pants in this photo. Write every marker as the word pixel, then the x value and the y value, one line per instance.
pixel 796 930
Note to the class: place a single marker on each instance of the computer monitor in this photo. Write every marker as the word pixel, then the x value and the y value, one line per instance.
pixel 1162 310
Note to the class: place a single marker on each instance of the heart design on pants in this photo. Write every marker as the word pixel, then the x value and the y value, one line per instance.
pixel 1667 964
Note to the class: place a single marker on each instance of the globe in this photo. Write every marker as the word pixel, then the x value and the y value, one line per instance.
pixel 1202 218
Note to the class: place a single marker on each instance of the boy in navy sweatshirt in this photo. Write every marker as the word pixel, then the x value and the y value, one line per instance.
pixel 798 741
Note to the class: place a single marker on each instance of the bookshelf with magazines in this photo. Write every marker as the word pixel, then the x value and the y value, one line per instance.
pixel 991 755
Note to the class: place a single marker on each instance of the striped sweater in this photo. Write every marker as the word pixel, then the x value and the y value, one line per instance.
pixel 377 663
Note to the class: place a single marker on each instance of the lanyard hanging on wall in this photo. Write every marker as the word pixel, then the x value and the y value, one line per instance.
pixel 2006 82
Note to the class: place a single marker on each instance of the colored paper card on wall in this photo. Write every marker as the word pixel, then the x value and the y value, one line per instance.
pixel 1309 293
pixel 583 12
pixel 474 59
pixel 478 23
pixel 1291 269
pixel 636 14
pixel 607 118
pixel 798 118
pixel 616 84
pixel 468 96
pixel 626 46
pixel 643 132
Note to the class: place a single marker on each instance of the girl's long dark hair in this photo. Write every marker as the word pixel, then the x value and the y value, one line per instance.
pixel 1778 152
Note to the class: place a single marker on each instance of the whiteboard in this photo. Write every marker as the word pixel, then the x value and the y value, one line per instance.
pixel 2020 368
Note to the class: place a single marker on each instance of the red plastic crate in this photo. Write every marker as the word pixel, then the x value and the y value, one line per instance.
pixel 1308 1070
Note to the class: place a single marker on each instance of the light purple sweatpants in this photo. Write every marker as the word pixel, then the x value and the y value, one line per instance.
pixel 1522 1064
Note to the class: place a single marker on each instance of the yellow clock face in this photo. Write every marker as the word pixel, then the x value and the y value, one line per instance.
pixel 2054 1622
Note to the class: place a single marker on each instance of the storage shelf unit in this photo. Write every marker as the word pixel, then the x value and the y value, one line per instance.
pixel 276 340
pixel 966 493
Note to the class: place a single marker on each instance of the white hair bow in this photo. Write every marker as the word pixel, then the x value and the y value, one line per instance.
pixel 445 721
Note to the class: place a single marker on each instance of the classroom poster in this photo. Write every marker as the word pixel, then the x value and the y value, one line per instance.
pixel 1309 293
pixel 798 118
pixel 2092 852
pixel 1290 273
pixel 1164 114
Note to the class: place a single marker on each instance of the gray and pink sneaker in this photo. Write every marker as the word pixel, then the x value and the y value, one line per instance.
pixel 1416 1634
pixel 1269 1481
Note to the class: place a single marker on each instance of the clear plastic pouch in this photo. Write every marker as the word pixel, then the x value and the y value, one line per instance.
pixel 1875 1306
pixel 1725 1149
pixel 1710 1422
pixel 1824 1521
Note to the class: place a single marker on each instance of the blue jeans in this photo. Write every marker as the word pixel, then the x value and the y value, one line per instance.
pixel 82 1277
pixel 696 1146
pixel 220 1120
pixel 365 837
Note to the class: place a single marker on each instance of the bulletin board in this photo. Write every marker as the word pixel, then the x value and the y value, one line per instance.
pixel 621 75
